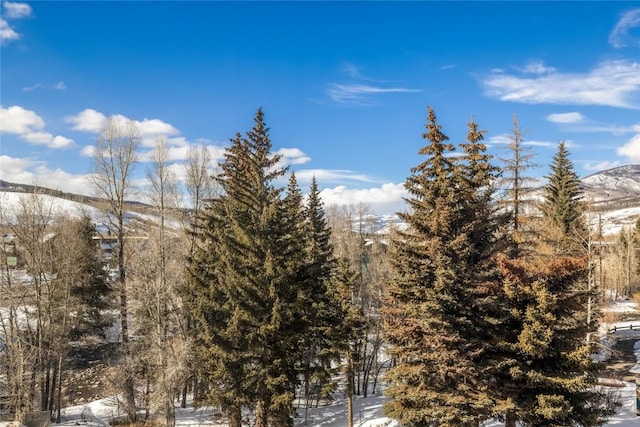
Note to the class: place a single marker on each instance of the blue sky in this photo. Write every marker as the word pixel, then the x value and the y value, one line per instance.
pixel 344 85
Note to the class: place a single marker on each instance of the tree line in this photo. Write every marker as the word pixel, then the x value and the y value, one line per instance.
pixel 264 302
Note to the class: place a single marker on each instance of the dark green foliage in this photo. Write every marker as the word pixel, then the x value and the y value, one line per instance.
pixel 239 292
pixel 547 374
pixel 442 265
pixel 562 207
pixel 258 290
pixel 320 311
pixel 89 291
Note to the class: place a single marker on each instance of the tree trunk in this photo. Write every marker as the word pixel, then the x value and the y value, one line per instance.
pixel 350 381
pixel 235 416
pixel 262 416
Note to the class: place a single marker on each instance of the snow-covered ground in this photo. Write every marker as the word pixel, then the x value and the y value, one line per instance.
pixel 367 411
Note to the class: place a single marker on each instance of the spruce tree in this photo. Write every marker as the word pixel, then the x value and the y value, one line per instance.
pixel 257 293
pixel 91 292
pixel 351 325
pixel 435 335
pixel 548 376
pixel 562 208
pixel 321 312
pixel 238 283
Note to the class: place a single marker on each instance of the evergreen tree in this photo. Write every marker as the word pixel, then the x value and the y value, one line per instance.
pixel 352 324
pixel 548 376
pixel 562 208
pixel 252 277
pixel 432 323
pixel 90 290
pixel 321 312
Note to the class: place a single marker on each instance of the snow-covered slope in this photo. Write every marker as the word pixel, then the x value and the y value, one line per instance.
pixel 620 182
pixel 10 206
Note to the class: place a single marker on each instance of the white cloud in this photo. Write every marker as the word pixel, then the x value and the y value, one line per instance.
pixel 601 166
pixel 505 139
pixel 356 94
pixel 32 87
pixel 631 150
pixel 621 34
pixel 155 127
pixel 292 156
pixel 12 11
pixel 383 200
pixel 535 143
pixel 537 67
pixel 45 138
pixel 611 83
pixel 29 127
pixel 88 151
pixel 7 33
pixel 92 121
pixel 565 117
pixel 332 176
pixel 29 171
pixel 87 120
pixel 15 10
pixel 16 119
pixel 57 86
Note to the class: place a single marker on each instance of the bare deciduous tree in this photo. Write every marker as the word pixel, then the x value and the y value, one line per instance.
pixel 114 160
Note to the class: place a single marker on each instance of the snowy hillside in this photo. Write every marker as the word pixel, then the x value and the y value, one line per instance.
pixel 10 204
pixel 620 182
pixel 615 194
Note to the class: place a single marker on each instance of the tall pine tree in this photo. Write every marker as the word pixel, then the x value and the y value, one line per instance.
pixel 432 325
pixel 238 286
pixel 547 374
pixel 258 291
pixel 565 228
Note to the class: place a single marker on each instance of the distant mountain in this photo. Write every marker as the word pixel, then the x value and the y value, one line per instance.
pixel 613 184
pixel 613 194
pixel 6 186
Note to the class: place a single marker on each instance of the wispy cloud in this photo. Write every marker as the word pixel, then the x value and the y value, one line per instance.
pixel 621 34
pixel 332 176
pixel 358 94
pixel 7 33
pixel 576 122
pixel 537 67
pixel 12 10
pixel 56 86
pixel 572 117
pixel 15 10
pixel 447 67
pixel 611 83
pixel 362 90
pixel 600 166
pixel 30 128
